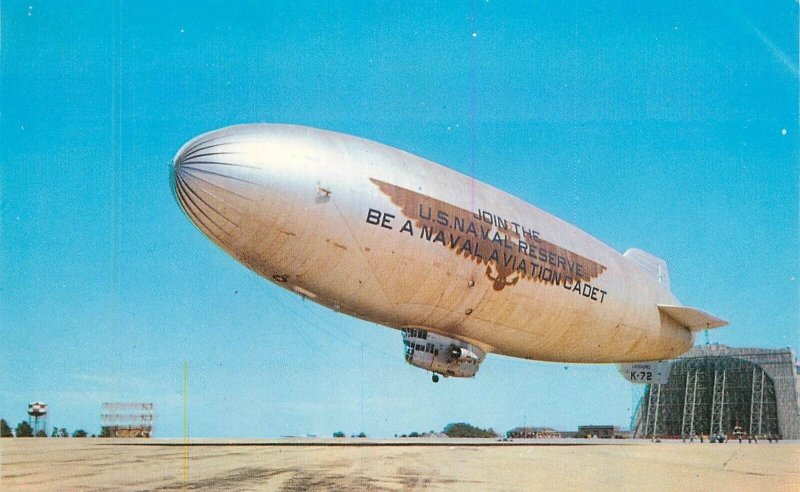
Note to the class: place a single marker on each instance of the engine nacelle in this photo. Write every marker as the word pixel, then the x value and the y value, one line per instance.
pixel 461 354
pixel 440 354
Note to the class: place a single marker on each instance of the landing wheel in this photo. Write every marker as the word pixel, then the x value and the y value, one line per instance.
pixel 435 378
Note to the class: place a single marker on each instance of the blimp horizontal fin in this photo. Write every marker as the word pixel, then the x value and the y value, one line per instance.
pixel 692 318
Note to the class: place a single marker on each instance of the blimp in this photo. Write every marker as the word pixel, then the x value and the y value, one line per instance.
pixel 460 268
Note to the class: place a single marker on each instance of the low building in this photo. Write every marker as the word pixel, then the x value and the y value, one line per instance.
pixel 533 433
pixel 599 431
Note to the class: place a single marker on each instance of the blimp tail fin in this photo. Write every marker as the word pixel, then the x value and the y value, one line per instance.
pixel 651 264
pixel 692 318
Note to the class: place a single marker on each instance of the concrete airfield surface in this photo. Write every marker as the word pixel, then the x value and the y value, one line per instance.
pixel 395 464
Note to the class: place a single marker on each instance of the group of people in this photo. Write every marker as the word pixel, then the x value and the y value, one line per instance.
pixel 721 438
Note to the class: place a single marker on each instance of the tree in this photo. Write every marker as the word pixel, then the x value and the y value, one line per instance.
pixel 24 429
pixel 41 433
pixel 62 432
pixel 5 430
pixel 362 435
pixel 338 434
pixel 463 429
pixel 55 432
pixel 79 433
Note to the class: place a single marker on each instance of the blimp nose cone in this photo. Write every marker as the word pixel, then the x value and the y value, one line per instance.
pixel 214 185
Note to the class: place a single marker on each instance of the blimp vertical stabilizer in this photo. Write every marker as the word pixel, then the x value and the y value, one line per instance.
pixel 691 318
pixel 672 315
pixel 653 265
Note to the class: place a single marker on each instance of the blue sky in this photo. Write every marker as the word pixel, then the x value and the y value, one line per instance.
pixel 667 126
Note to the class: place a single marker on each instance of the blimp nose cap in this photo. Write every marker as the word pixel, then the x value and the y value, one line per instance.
pixel 204 146
pixel 207 183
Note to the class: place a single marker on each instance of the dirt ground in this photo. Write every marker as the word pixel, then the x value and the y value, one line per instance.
pixel 106 464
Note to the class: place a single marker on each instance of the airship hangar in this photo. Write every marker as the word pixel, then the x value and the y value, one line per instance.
pixel 716 390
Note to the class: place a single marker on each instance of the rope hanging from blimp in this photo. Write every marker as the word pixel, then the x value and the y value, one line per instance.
pixel 355 343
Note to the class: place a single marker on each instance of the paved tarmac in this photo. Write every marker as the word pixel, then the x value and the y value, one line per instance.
pixel 395 464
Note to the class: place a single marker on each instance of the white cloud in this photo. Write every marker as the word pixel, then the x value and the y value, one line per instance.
pixel 776 53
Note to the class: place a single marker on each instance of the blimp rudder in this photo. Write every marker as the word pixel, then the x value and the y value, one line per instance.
pixel 678 323
pixel 653 265
pixel 680 338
